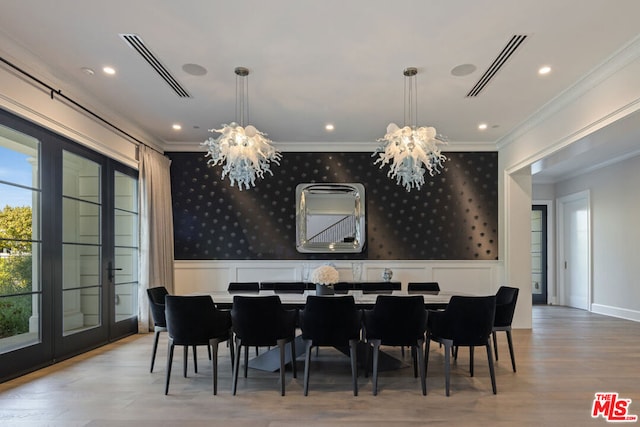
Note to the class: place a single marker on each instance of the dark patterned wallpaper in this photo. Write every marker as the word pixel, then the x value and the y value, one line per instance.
pixel 454 216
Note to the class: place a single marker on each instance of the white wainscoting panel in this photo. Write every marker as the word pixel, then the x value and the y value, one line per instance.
pixel 474 277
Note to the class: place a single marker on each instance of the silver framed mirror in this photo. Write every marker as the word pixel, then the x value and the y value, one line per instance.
pixel 330 218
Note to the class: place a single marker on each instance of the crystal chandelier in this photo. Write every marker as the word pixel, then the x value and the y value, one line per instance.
pixel 244 152
pixel 410 151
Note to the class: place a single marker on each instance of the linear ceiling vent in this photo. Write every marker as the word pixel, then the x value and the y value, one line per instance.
pixel 137 44
pixel 497 64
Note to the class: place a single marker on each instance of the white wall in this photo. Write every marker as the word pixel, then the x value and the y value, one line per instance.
pixel 615 210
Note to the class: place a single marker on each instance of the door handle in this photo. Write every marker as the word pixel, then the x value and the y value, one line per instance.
pixel 110 270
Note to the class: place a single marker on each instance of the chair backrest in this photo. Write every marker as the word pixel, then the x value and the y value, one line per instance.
pixel 396 320
pixel 156 304
pixel 330 320
pixel 469 320
pixel 286 287
pixel 506 299
pixel 260 320
pixel 379 287
pixel 243 287
pixel 193 320
pixel 423 287
pixel 343 287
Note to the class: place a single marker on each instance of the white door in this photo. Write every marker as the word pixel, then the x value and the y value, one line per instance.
pixel 575 253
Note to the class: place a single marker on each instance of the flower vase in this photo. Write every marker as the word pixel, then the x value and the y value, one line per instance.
pixel 324 289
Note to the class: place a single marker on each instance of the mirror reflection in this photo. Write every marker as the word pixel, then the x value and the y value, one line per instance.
pixel 330 217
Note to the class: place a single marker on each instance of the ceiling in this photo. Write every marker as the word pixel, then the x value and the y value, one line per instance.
pixel 314 62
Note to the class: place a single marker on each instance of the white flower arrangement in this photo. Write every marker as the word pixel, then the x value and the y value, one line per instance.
pixel 325 275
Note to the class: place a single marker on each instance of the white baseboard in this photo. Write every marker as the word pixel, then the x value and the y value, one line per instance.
pixel 622 313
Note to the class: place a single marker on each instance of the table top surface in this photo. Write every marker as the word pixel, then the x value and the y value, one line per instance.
pixel 226 298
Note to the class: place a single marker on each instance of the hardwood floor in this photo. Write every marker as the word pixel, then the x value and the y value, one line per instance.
pixel 566 358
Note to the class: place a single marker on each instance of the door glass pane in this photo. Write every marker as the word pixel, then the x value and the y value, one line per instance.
pixel 20 291
pixel 125 277
pixel 81 247
pixel 536 252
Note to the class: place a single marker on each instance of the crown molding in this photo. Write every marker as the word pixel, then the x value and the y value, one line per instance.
pixel 617 61
pixel 333 147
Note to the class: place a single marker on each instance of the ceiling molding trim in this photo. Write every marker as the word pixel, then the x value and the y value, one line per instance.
pixel 333 147
pixel 614 63
pixel 575 136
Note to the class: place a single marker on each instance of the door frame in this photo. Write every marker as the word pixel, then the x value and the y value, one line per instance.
pixel 562 245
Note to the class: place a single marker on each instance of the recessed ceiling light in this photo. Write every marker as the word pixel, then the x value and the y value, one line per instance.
pixel 329 127
pixel 109 70
pixel 176 126
pixel 482 126
pixel 544 70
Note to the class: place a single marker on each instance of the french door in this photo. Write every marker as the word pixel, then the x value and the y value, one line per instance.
pixel 79 290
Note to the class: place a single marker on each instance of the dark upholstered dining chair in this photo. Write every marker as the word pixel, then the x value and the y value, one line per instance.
pixel 286 287
pixel 343 287
pixel 506 299
pixel 397 321
pixel 244 287
pixel 331 321
pixel 466 322
pixel 156 304
pixel 378 287
pixel 195 320
pixel 423 287
pixel 262 321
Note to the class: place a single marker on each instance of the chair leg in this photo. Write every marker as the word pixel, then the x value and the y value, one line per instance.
pixel 229 340
pixel 236 366
pixel 491 368
pixel 448 344
pixel 156 338
pixel 427 347
pixel 281 349
pixel 376 353
pixel 294 367
pixel 495 344
pixel 169 362
pixel 246 360
pixel 213 349
pixel 414 350
pixel 184 360
pixel 513 359
pixel 353 348
pixel 307 362
pixel 421 366
pixel 209 351
pixel 195 361
pixel 471 360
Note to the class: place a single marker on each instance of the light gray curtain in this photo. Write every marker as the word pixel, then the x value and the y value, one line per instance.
pixel 156 230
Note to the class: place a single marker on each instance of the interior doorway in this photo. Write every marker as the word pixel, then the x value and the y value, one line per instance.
pixel 574 251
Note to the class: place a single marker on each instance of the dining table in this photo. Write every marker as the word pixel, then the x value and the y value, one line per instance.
pixel 432 300
pixel 269 360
